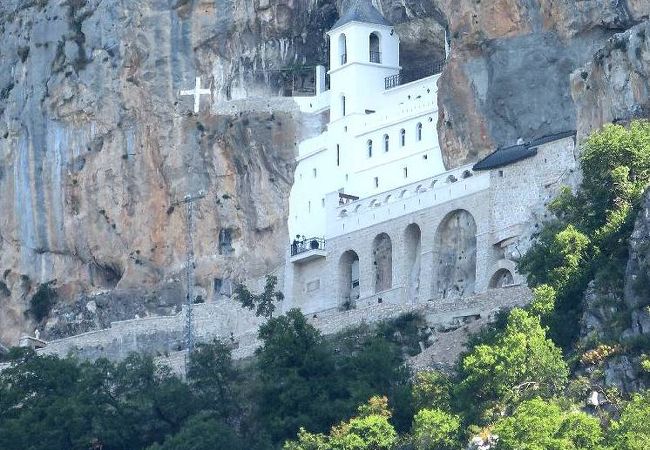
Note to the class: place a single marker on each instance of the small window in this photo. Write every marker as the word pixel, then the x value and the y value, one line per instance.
pixel 343 105
pixel 315 171
pixel 369 144
pixel 338 155
pixel 376 182
pixel 406 172
pixel 501 173
pixel 309 206
pixel 386 142
pixel 322 202
pixel 346 177
pixel 418 132
pixel 402 137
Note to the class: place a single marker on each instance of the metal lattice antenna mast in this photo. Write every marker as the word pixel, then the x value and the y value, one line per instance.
pixel 189 271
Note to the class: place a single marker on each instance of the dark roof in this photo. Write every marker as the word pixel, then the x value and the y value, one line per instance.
pixel 508 155
pixel 361 11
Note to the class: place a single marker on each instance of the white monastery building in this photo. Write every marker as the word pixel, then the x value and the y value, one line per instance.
pixel 374 214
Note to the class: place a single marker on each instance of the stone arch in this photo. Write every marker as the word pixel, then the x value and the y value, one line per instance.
pixel 382 262
pixel 454 255
pixel 502 278
pixel 349 285
pixel 413 250
pixel 375 47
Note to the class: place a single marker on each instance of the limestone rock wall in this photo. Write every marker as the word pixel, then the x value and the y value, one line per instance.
pixel 615 84
pixel 508 76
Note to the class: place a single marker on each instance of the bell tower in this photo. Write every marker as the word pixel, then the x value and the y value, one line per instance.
pixel 364 50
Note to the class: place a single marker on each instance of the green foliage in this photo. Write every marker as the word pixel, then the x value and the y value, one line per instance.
pixel 211 375
pixel 521 362
pixel 42 301
pixel 632 431
pixel 543 303
pixel 589 238
pixel 548 425
pixel 304 382
pixel 203 432
pixel 370 430
pixel 435 429
pixel 432 390
pixel 264 303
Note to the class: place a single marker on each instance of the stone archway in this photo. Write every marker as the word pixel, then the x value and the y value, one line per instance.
pixel 349 286
pixel 501 278
pixel 454 256
pixel 413 248
pixel 382 262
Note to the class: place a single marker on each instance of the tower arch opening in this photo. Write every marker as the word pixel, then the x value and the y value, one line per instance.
pixel 343 49
pixel 454 255
pixel 375 47
pixel 382 262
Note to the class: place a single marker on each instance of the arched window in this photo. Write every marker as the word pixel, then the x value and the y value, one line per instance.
pixel 369 143
pixel 375 48
pixel 343 51
pixel 386 142
pixel 402 137
pixel 343 105
pixel 418 132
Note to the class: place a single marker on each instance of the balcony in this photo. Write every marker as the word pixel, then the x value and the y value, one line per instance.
pixel 407 76
pixel 375 57
pixel 307 250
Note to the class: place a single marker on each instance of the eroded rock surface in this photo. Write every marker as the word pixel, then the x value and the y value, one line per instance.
pixel 615 84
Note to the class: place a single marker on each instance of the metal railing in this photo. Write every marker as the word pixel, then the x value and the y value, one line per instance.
pixel 375 57
pixel 407 76
pixel 344 58
pixel 306 245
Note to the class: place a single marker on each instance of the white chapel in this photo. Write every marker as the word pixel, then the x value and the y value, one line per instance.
pixel 375 216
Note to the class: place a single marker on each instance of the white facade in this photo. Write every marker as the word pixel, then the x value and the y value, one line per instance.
pixel 377 139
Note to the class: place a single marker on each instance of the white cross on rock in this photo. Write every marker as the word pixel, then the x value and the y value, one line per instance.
pixel 196 92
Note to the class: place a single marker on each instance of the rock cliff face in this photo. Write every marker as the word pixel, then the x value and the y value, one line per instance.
pixel 615 84
pixel 508 75
pixel 97 150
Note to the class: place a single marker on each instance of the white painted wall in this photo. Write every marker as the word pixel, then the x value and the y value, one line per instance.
pixel 338 160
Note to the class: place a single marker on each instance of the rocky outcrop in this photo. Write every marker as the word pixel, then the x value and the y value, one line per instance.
pixel 509 72
pixel 621 321
pixel 615 84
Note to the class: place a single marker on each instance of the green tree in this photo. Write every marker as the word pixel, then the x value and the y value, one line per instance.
pixel 435 429
pixel 297 385
pixel 432 390
pixel 547 425
pixel 370 430
pixel 203 432
pixel 211 376
pixel 519 363
pixel 632 431
pixel 263 303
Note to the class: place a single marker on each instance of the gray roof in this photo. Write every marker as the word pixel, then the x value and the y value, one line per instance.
pixel 361 11
pixel 508 155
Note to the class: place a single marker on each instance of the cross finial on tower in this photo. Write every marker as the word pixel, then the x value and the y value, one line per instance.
pixel 196 92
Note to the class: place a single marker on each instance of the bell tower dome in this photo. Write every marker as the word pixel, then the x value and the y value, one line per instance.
pixel 364 50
